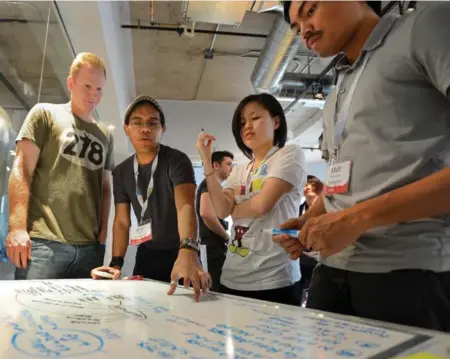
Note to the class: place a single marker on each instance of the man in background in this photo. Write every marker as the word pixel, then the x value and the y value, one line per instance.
pixel 59 187
pixel 213 231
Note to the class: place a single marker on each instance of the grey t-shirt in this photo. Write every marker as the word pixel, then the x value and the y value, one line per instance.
pixel 398 132
pixel 174 168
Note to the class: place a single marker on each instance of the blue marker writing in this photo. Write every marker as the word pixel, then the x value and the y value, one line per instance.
pixel 293 233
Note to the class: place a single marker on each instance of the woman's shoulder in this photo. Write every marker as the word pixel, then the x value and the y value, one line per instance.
pixel 291 151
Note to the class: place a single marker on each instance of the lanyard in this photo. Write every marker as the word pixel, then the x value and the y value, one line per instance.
pixel 149 187
pixel 269 154
pixel 341 116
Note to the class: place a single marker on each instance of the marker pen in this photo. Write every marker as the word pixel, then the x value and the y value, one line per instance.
pixel 293 233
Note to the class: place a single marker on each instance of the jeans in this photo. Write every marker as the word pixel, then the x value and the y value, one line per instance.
pixel 56 260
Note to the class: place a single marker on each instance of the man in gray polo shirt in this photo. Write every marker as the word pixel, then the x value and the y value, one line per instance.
pixel 383 224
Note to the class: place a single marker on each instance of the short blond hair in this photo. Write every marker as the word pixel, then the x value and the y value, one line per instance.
pixel 86 58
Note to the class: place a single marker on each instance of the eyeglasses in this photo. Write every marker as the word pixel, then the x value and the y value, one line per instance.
pixel 139 125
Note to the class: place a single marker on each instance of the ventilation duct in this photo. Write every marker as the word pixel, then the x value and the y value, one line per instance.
pixel 278 52
pixel 292 84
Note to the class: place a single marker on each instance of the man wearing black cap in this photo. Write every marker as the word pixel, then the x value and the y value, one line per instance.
pixel 382 225
pixel 158 183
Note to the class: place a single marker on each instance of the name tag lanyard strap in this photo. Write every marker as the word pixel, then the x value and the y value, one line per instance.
pixel 269 154
pixel 149 187
pixel 341 116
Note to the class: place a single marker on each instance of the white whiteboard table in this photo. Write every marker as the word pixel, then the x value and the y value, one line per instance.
pixel 136 319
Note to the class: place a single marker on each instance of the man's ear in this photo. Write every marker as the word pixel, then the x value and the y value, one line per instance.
pixel 70 83
pixel 126 129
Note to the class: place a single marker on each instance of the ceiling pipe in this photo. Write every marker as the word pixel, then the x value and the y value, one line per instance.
pixel 280 49
pixel 180 30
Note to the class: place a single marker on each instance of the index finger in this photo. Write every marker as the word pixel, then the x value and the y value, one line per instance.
pixel 303 236
pixel 280 238
pixel 196 284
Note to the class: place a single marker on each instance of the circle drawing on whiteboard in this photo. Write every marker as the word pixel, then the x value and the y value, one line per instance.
pixel 61 343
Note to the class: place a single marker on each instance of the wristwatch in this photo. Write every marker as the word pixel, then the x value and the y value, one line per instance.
pixel 189 243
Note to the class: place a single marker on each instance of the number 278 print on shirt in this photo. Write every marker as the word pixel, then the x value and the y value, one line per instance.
pixel 82 148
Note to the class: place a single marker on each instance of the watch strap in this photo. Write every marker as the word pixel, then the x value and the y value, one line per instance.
pixel 116 262
pixel 189 243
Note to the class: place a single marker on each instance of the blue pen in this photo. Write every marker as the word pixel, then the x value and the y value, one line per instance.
pixel 293 233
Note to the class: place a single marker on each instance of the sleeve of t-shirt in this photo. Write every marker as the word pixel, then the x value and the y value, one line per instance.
pixel 289 166
pixel 109 164
pixel 119 189
pixel 203 188
pixel 430 43
pixel 35 127
pixel 181 170
pixel 232 180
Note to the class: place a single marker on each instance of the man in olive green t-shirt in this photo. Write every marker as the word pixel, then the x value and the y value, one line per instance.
pixel 59 186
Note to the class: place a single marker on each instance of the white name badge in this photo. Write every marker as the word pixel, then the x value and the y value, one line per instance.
pixel 338 178
pixel 142 233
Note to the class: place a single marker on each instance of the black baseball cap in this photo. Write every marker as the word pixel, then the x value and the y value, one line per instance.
pixel 375 5
pixel 141 99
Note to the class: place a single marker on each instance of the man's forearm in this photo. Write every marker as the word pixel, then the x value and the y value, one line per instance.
pixel 428 197
pixel 120 239
pixel 187 222
pixel 222 206
pixel 105 211
pixel 19 197
pixel 214 225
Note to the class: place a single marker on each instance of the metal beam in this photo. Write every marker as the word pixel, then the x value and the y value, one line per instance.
pixel 14 92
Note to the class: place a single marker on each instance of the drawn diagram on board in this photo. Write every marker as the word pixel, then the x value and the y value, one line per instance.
pixel 96 306
pixel 124 319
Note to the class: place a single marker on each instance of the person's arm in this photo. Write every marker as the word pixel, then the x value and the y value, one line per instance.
pixel 106 196
pixel 428 197
pixel 122 216
pixel 184 202
pixel 221 200
pixel 284 173
pixel 105 207
pixel 187 265
pixel 27 156
pixel 209 216
pixel 430 44
pixel 271 192
pixel 30 141
pixel 317 208
pixel 121 229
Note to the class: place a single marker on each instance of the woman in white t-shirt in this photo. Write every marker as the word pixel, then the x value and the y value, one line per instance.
pixel 259 195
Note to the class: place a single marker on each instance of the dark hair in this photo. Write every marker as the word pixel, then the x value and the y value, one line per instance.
pixel 272 105
pixel 219 156
pixel 317 183
pixel 374 5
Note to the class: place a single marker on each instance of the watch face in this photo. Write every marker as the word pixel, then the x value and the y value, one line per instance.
pixel 189 243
